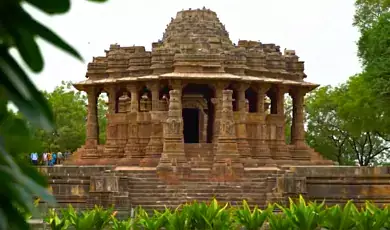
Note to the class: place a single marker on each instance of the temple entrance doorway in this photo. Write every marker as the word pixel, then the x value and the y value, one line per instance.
pixel 191 125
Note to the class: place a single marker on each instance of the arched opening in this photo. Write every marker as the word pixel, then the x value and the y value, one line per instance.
pixel 102 109
pixel 198 113
pixel 272 96
pixel 251 96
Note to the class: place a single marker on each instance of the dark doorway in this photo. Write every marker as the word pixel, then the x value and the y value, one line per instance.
pixel 191 125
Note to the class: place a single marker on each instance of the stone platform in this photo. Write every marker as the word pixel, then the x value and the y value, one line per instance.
pixel 129 187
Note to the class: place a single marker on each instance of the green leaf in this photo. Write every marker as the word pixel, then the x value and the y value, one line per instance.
pixel 22 179
pixel 37 29
pixel 3 220
pixel 20 90
pixel 28 48
pixel 33 173
pixel 14 220
pixel 51 7
pixel 51 37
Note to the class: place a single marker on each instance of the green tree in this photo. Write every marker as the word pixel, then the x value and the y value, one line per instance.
pixel 102 117
pixel 19 182
pixel 372 18
pixel 368 11
pixel 374 52
pixel 288 118
pixel 337 130
pixel 69 108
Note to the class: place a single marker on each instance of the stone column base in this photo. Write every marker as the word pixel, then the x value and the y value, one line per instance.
pixel 112 151
pixel 172 169
pixel 89 152
pixel 164 166
pixel 128 161
pixel 249 162
pixel 85 156
pixel 150 161
pixel 153 154
pixel 281 153
pixel 227 170
pixel 300 154
pixel 269 162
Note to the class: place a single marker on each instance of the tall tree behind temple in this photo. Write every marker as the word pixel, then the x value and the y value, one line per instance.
pixel 372 18
pixel 368 12
pixel 336 125
pixel 70 114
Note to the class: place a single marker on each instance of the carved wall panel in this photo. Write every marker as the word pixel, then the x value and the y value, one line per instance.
pixel 272 132
pixel 122 134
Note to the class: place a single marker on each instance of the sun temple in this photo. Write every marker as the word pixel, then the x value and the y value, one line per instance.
pixel 200 117
pixel 197 100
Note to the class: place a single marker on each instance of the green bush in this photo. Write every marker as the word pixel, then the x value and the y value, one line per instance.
pixel 299 215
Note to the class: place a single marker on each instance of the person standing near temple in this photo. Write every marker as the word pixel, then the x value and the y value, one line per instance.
pixel 49 159
pixel 44 158
pixel 54 158
pixel 60 157
pixel 34 158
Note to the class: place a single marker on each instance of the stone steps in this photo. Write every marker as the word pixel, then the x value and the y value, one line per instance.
pixel 204 197
pixel 189 188
pixel 180 201
pixel 173 206
pixel 146 189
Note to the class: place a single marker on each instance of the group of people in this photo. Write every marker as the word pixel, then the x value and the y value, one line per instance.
pixel 49 158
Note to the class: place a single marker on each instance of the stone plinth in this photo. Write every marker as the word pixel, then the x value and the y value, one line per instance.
pixel 126 187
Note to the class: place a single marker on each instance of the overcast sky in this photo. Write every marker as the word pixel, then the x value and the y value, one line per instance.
pixel 320 31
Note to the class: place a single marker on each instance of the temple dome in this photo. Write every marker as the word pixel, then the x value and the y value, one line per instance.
pixel 198 30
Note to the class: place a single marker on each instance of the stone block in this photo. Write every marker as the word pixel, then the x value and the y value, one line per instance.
pixel 104 184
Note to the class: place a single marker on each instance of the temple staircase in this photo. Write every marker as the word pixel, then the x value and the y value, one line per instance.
pixel 146 189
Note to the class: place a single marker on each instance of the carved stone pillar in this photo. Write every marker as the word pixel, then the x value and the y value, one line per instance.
pixel 155 145
pixel 217 101
pixel 262 153
pixel 92 139
pixel 301 151
pixel 112 95
pixel 133 155
pixel 227 159
pixel 281 151
pixel 173 158
pixel 111 147
pixel 241 132
pixel 92 120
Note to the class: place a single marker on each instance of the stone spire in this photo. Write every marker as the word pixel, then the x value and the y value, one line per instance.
pixel 199 30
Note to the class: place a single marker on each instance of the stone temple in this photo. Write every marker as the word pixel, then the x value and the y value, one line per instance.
pixel 200 117
pixel 197 101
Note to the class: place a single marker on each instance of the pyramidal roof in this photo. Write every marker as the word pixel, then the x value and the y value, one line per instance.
pixel 196 45
pixel 200 28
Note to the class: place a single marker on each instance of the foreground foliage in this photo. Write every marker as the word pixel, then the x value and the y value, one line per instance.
pixel 19 30
pixel 299 215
